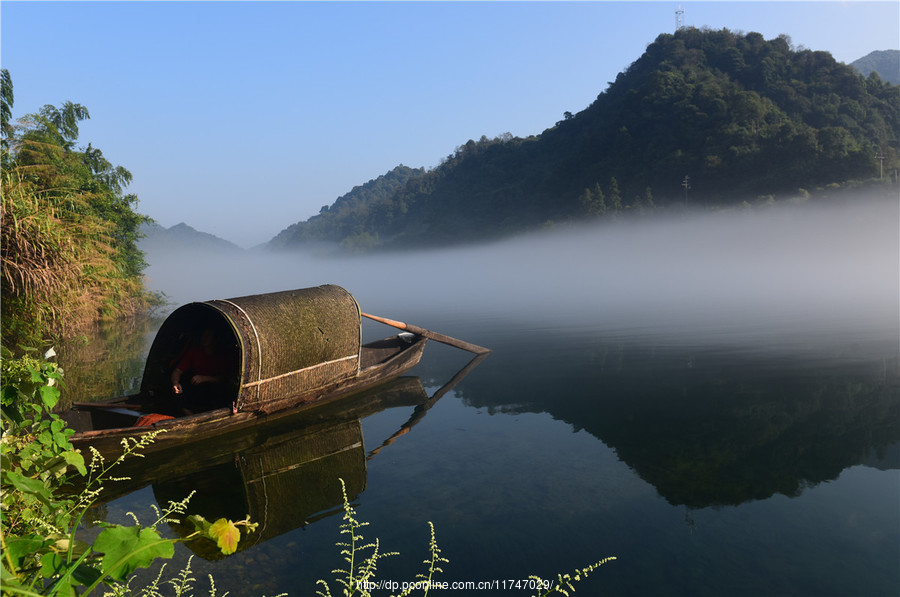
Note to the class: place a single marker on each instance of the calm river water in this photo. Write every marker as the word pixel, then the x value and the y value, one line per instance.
pixel 726 445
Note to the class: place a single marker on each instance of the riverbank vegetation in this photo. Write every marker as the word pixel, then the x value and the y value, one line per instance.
pixel 42 551
pixel 703 119
pixel 69 237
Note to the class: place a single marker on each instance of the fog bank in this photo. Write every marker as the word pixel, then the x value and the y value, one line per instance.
pixel 804 266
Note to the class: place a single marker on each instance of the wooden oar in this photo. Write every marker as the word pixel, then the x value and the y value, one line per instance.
pixel 429 334
pixel 421 409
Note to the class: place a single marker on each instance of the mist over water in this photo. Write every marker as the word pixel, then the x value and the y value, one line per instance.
pixel 792 270
pixel 685 388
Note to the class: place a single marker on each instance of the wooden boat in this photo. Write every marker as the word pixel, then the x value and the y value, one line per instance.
pixel 284 351
pixel 283 475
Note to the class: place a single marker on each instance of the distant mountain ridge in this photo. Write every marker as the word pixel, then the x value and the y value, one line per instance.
pixel 339 221
pixel 702 118
pixel 885 62
pixel 181 237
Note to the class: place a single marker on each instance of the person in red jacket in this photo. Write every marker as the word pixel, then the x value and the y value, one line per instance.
pixel 202 369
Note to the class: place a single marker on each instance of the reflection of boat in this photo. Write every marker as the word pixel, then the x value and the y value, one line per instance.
pixel 287 476
pixel 284 475
pixel 282 350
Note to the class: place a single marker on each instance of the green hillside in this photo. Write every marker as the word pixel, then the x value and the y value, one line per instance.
pixel 734 115
pixel 349 220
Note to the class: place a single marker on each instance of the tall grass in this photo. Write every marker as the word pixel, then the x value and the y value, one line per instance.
pixel 60 272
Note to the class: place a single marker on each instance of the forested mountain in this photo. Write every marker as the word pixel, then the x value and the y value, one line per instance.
pixel 348 219
pixel 181 238
pixel 884 62
pixel 702 117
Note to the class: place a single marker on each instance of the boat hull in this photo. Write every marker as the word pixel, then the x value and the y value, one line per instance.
pixel 392 357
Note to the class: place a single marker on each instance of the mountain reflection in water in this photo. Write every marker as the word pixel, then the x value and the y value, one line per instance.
pixel 707 426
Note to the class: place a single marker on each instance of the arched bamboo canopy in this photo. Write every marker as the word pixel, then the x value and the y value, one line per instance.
pixel 276 345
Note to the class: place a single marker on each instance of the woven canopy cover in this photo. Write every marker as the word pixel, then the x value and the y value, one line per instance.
pixel 278 345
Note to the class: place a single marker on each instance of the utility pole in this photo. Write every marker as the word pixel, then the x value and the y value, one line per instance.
pixel 686 183
pixel 880 158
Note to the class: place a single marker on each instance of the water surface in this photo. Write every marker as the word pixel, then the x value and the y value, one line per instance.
pixel 723 417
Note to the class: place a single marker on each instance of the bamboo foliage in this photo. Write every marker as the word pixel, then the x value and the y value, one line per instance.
pixel 69 234
pixel 59 268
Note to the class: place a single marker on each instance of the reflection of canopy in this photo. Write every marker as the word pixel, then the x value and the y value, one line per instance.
pixel 288 482
pixel 280 343
pixel 282 485
pixel 286 477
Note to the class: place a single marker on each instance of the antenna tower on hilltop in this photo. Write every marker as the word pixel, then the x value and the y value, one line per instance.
pixel 679 18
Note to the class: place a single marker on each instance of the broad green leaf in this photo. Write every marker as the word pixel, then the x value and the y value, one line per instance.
pixel 86 575
pixel 45 437
pixel 61 440
pixel 29 486
pixel 126 549
pixel 200 523
pixel 20 547
pixel 51 564
pixel 49 396
pixel 54 564
pixel 54 465
pixel 75 459
pixel 226 535
pixel 11 583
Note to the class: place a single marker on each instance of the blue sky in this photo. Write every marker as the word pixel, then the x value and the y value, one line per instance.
pixel 241 118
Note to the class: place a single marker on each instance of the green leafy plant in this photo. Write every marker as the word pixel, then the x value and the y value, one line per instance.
pixel 360 569
pixel 564 582
pixel 224 532
pixel 35 448
pixel 433 562
pixel 359 574
pixel 42 551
